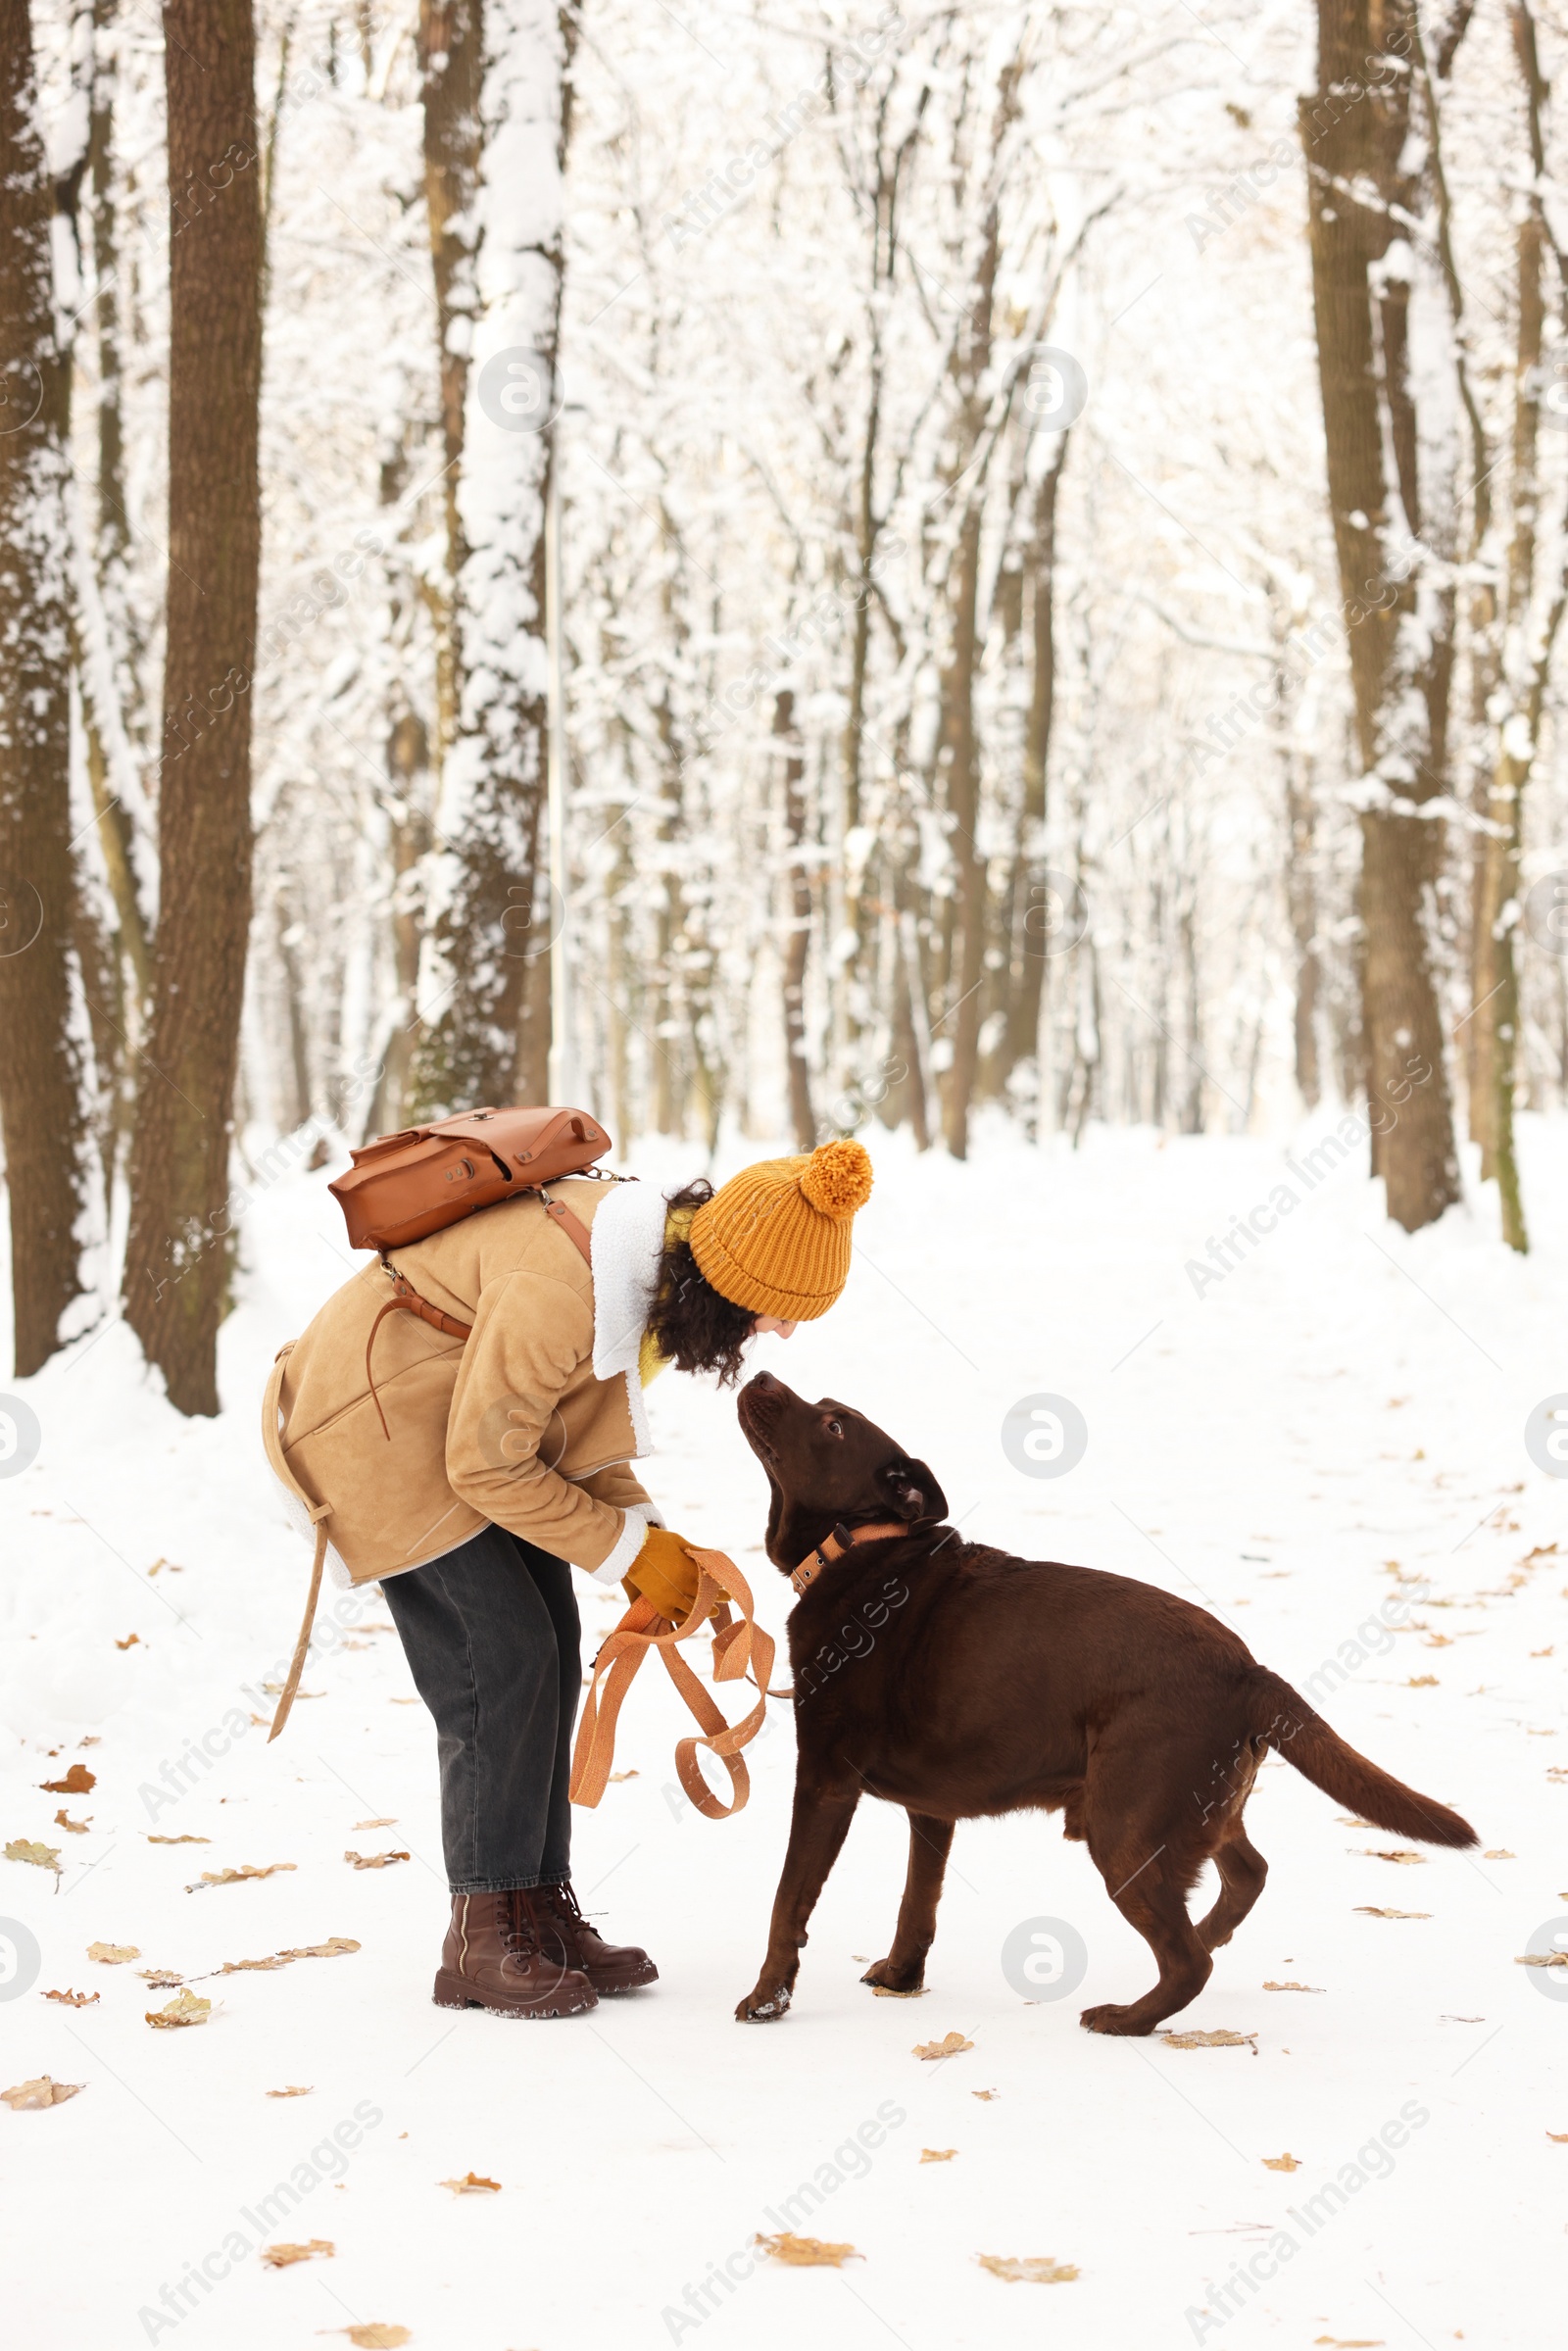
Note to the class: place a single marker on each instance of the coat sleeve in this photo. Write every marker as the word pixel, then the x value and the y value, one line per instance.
pixel 531 1331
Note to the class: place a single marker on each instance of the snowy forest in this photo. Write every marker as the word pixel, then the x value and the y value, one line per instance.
pixel 948 616
pixel 769 574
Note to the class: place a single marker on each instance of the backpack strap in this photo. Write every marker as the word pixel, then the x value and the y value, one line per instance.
pixel 406 1300
pixel 318 1514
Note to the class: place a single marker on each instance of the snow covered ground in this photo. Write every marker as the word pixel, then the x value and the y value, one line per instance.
pixel 1326 1446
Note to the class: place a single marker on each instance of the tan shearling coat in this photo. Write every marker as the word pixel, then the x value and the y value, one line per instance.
pixel 511 1427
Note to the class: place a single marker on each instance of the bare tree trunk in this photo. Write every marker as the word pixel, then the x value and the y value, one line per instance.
pixel 964 804
pixel 797 934
pixel 175 1270
pixel 44 1081
pixel 1028 942
pixel 1400 649
pixel 500 96
pixel 452 64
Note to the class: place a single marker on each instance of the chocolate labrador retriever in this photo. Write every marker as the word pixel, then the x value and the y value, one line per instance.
pixel 957 1681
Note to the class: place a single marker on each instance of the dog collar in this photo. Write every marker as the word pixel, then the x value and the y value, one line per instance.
pixel 843 1538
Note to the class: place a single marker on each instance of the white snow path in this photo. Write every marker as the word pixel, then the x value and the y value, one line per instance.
pixel 1346 1398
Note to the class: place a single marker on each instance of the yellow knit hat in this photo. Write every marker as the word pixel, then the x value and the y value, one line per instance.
pixel 776 1237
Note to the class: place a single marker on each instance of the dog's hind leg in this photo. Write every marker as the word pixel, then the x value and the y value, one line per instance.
pixel 904 1969
pixel 1241 1874
pixel 818 1826
pixel 1148 1889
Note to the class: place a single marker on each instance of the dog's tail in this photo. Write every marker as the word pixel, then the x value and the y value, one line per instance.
pixel 1297 1731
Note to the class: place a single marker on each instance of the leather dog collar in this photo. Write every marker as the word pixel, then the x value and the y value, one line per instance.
pixel 843 1538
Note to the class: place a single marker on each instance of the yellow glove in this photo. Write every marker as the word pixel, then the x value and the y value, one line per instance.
pixel 663 1572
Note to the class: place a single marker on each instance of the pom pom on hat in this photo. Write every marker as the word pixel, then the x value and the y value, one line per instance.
pixel 776 1237
pixel 837 1177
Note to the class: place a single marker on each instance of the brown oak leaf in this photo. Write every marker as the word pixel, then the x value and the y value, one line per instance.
pixel 279 2257
pixel 472 2184
pixel 806 2252
pixel 949 2045
pixel 1037 2269
pixel 77 1782
pixel 72 1999
pixel 23 2097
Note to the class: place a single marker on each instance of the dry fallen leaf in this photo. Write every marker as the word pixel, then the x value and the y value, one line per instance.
pixel 279 2257
pixel 62 1820
pixel 73 1999
pixel 1348 1820
pixel 1038 2269
pixel 1422 1681
pixel 1543 1959
pixel 1211 2040
pixel 133 1640
pixel 1354 2343
pixel 806 2252
pixel 631 1775
pixel 1499 1853
pixel 1271 1986
pixel 1281 2163
pixel 247 1869
pixel 1561 2137
pixel 163 1979
pixel 113 1954
pixel 77 1782
pixel 42 1857
pixel 187 2008
pixel 949 2047
pixel 885 1991
pixel 294 2090
pixel 373 2336
pixel 334 1947
pixel 179 1841
pixel 472 2184
pixel 275 1689
pixel 390 1822
pixel 1391 1853
pixel 1369 1910
pixel 25 2097
pixel 173 1566
pixel 938 2154
pixel 375 1861
pixel 985 2093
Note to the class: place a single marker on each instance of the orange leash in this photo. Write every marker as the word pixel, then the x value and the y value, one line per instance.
pixel 741 1647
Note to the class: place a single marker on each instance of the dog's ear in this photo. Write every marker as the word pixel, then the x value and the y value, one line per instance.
pixel 913 1492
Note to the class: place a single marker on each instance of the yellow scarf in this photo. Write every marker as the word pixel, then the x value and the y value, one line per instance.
pixel 650 1361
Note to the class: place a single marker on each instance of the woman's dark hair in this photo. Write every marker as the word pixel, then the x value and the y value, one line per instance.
pixel 691 1323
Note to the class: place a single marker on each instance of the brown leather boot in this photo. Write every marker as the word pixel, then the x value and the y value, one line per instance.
pixel 492 1959
pixel 566 1938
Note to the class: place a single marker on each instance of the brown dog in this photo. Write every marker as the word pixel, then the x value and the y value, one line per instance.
pixel 957 1681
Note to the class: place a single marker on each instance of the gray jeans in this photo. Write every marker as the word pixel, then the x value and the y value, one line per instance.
pixel 493 1641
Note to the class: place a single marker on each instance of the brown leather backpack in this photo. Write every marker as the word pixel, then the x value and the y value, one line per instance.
pixel 402 1187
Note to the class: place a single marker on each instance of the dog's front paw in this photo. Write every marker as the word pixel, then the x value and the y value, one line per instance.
pixel 1108 2018
pixel 885 1977
pixel 763 2006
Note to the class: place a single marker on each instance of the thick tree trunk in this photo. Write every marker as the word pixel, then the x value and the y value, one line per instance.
pixel 797 934
pixel 175 1267
pixel 1400 637
pixel 500 258
pixel 43 1108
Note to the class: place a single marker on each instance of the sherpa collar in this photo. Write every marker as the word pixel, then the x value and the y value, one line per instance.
pixel 628 1240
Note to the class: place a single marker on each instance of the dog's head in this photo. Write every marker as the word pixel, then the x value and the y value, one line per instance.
pixel 825 1463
